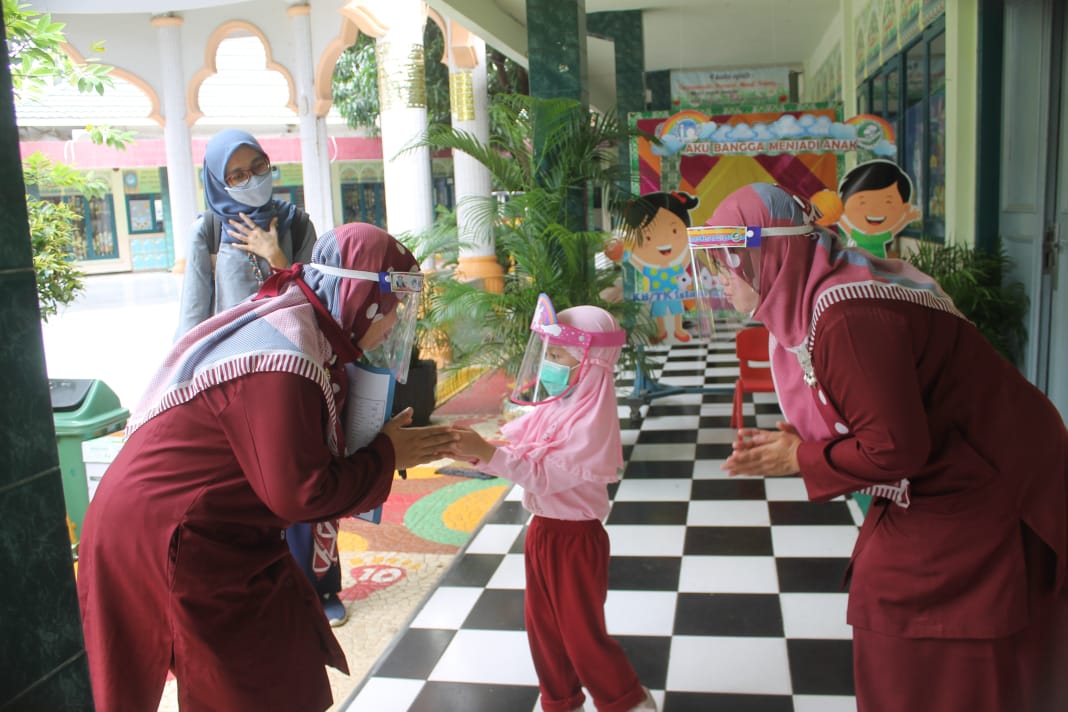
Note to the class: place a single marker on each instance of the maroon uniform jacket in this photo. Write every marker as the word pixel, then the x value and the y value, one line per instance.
pixel 183 562
pixel 918 393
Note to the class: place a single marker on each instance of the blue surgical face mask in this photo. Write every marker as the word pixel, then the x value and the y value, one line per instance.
pixel 555 377
pixel 256 193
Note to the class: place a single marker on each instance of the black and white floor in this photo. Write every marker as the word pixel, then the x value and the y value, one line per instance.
pixel 725 593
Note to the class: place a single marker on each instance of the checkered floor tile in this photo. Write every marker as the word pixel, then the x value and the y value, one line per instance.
pixel 725 593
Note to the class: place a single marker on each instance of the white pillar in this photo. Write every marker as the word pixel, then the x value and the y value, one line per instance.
pixel 402 101
pixel 181 181
pixel 314 151
pixel 469 101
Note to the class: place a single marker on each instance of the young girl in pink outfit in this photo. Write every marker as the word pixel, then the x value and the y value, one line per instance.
pixel 565 453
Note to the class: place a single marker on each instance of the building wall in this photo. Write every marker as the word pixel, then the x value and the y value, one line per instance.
pixel 961 30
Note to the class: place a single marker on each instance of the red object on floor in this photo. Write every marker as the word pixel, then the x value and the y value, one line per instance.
pixel 750 345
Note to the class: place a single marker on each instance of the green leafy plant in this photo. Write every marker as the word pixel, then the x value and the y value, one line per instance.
pixel 978 283
pixel 37 62
pixel 540 243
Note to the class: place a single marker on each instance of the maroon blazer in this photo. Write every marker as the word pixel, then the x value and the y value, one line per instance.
pixel 183 562
pixel 923 395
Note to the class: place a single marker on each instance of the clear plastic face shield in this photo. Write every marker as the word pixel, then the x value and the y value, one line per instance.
pixel 726 259
pixel 391 333
pixel 556 356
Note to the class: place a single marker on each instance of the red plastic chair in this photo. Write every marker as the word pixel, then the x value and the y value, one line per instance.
pixel 751 346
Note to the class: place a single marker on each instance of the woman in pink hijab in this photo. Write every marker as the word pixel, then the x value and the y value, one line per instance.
pixel 957 581
pixel 565 453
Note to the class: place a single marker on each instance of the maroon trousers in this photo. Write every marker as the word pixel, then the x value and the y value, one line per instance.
pixel 567 584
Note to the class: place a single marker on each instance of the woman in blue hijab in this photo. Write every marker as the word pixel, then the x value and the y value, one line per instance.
pixel 243 233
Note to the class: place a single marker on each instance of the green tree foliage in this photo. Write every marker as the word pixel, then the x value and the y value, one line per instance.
pixel 355 83
pixel 52 230
pixel 38 62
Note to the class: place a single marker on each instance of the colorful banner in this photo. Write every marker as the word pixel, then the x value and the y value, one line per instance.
pixel 693 89
pixel 909 20
pixel 873 57
pixel 889 27
pixel 702 157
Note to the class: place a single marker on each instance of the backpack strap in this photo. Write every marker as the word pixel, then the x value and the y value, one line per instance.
pixel 299 230
pixel 215 225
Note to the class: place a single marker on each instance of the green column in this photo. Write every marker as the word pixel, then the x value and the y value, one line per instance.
pixel 659 83
pixel 556 50
pixel 628 37
pixel 42 654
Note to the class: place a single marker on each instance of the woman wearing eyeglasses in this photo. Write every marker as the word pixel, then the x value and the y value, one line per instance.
pixel 243 233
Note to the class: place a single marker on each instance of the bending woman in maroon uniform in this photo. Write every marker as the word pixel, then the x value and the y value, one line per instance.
pixel 184 563
pixel 957 590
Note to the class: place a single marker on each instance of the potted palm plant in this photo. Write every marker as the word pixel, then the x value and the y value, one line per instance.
pixel 548 156
pixel 978 283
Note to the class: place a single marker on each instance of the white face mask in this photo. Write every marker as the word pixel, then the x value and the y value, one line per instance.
pixel 258 191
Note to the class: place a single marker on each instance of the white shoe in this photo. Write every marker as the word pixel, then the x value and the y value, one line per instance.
pixel 646 705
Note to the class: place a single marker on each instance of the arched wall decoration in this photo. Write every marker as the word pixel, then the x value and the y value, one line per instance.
pixel 127 76
pixel 459 42
pixel 357 18
pixel 211 49
pixel 324 72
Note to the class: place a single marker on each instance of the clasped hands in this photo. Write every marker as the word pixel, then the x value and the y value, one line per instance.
pixel 765 453
pixel 414 446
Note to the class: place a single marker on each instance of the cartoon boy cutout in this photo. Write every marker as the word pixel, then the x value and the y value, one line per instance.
pixel 875 205
pixel 657 247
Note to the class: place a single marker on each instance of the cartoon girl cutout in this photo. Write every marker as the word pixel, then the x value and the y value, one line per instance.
pixel 872 206
pixel 657 247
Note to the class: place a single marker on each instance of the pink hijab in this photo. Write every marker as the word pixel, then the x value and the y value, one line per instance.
pixel 798 277
pixel 580 431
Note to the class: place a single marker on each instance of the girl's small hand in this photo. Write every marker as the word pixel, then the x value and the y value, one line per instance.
pixel 765 453
pixel 258 241
pixel 471 445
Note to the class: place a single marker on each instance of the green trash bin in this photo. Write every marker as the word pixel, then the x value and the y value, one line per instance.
pixel 82 409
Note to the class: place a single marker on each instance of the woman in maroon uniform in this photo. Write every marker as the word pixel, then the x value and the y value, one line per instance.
pixel 957 591
pixel 184 563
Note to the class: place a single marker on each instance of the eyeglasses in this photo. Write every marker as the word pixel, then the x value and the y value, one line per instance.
pixel 241 177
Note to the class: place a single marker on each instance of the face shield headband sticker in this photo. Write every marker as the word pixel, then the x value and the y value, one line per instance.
pixel 396 282
pixel 394 353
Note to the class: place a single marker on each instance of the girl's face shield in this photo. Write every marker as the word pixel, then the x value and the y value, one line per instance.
pixel 395 350
pixel 556 357
pixel 549 370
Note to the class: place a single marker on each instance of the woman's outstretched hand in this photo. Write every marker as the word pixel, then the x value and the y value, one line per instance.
pixel 414 446
pixel 765 453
